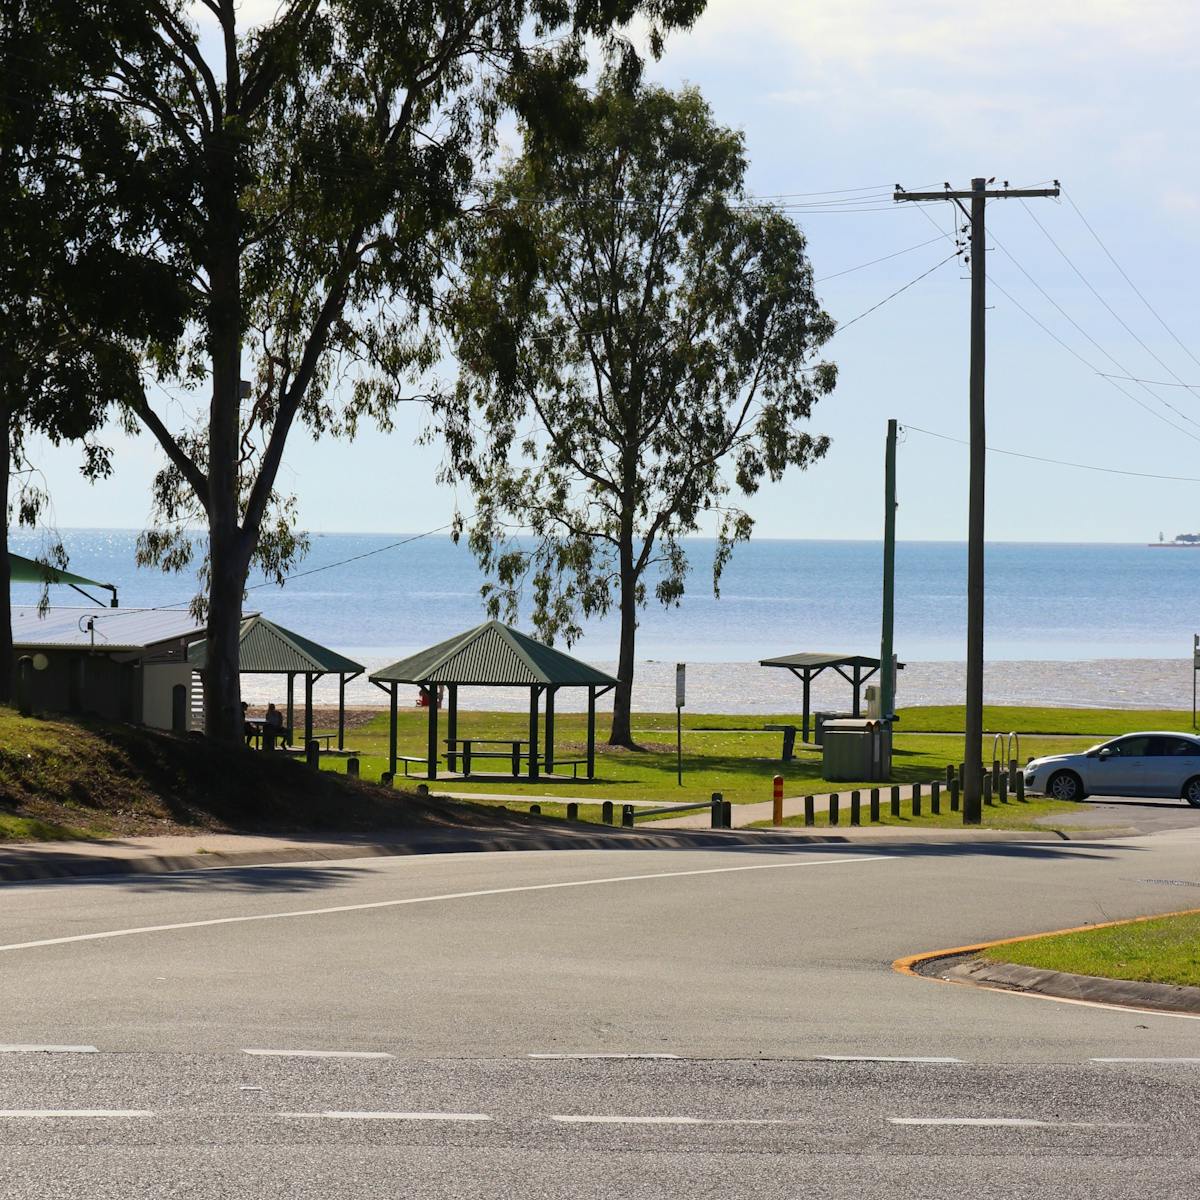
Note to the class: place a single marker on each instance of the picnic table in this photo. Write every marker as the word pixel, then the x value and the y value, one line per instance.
pixel 256 728
pixel 465 748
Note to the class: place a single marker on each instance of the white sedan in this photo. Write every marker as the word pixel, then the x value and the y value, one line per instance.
pixel 1138 764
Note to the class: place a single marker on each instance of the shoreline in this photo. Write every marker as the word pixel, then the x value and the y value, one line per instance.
pixel 745 688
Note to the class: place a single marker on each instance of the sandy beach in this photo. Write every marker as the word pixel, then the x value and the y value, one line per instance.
pixel 741 687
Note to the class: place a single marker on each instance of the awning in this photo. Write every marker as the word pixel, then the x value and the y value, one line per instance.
pixel 28 570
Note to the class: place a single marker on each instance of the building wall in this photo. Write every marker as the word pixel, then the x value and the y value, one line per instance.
pixel 158 680
pixel 80 681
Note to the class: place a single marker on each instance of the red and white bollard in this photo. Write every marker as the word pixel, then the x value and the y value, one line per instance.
pixel 777 816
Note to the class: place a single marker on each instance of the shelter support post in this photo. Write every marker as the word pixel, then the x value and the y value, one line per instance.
pixel 550 730
pixel 291 706
pixel 452 724
pixel 534 692
pixel 857 709
pixel 591 734
pixel 308 714
pixel 432 690
pixel 342 712
pixel 392 696
pixel 806 680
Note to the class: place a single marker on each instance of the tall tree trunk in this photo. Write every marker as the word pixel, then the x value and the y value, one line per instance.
pixel 222 682
pixel 7 666
pixel 622 729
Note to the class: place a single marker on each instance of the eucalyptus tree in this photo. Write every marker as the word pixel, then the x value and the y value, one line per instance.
pixel 310 170
pixel 636 342
pixel 78 293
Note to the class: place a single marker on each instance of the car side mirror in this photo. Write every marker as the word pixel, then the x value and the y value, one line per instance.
pixel 1104 755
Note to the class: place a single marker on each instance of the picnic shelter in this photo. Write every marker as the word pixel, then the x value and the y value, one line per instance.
pixel 855 669
pixel 492 655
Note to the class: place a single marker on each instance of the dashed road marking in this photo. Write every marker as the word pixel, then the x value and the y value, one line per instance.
pixel 19 1113
pixel 105 934
pixel 18 1048
pixel 1145 1060
pixel 572 1119
pixel 391 1116
pixel 1004 1122
pixel 316 1053
pixel 887 1058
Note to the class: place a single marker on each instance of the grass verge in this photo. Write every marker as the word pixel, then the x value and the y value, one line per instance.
pixel 1158 950
pixel 1014 815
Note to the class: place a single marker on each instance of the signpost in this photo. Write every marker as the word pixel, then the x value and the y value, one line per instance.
pixel 680 682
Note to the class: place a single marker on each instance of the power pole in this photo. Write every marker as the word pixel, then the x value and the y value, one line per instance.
pixel 887 662
pixel 979 195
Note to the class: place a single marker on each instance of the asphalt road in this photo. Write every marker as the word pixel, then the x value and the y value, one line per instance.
pixel 454 1003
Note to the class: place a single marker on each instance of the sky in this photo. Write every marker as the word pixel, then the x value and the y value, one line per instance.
pixel 837 103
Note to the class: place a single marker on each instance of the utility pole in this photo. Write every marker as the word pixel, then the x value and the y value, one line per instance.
pixel 887 662
pixel 979 195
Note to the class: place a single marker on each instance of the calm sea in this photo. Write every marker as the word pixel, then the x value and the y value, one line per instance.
pixel 1045 602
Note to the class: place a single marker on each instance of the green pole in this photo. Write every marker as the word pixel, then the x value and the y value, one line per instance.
pixel 887 672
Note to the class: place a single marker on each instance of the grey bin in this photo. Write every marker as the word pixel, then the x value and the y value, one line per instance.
pixel 822 719
pixel 856 750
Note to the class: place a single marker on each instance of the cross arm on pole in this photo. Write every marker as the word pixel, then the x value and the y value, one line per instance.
pixel 989 194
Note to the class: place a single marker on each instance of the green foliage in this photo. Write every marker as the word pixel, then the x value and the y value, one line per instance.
pixel 635 343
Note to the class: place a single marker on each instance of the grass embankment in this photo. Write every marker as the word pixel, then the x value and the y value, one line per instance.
pixel 734 755
pixel 1158 950
pixel 69 779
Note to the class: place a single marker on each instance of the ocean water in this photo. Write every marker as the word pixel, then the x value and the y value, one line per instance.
pixel 1075 623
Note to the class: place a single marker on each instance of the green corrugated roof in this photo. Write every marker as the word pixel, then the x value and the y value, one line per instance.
pixel 268 649
pixel 493 654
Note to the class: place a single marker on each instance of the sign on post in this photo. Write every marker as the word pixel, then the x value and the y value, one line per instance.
pixel 680 700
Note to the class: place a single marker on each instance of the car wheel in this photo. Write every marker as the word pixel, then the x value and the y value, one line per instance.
pixel 1191 791
pixel 1066 785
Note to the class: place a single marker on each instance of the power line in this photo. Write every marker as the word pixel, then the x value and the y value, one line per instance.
pixel 1125 276
pixel 910 283
pixel 1149 382
pixel 1116 316
pixel 885 258
pixel 1057 462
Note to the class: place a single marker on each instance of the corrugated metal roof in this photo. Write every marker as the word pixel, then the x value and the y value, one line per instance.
pixel 493 654
pixel 115 628
pixel 822 660
pixel 265 648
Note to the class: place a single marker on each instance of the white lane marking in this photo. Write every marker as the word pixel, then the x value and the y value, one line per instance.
pixel 17 1048
pixel 581 1056
pixel 916 1058
pixel 102 935
pixel 1146 1060
pixel 317 1053
pixel 18 1113
pixel 613 1120
pixel 391 1116
pixel 1014 1122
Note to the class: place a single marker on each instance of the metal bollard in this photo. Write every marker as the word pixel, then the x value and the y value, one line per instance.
pixel 833 809
pixel 895 799
pixel 1020 789
pixel 996 774
pixel 718 810
pixel 573 811
pixel 949 774
pixel 987 788
pixel 352 767
pixel 935 798
pixel 386 779
pixel 1003 781
pixel 810 817
pixel 1012 774
pixel 727 814
pixel 855 808
pixel 916 803
pixel 422 789
pixel 535 810
pixel 312 753
pixel 626 816
pixel 874 806
pixel 606 812
pixel 954 795
pixel 777 801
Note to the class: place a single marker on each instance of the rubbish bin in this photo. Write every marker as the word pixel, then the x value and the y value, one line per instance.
pixel 856 750
pixel 822 717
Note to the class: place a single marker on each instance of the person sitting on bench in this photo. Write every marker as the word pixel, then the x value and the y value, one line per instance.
pixel 272 726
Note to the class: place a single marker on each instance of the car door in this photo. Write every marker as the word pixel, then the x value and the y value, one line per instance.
pixel 1176 760
pixel 1124 770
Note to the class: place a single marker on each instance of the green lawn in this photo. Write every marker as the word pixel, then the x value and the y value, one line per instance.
pixel 733 755
pixel 1098 722
pixel 1161 950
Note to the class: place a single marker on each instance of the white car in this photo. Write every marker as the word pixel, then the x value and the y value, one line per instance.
pixel 1138 764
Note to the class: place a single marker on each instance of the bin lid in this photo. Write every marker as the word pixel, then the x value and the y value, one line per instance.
pixel 853 725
